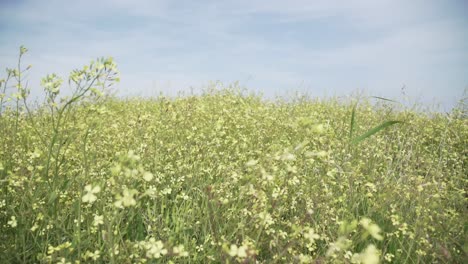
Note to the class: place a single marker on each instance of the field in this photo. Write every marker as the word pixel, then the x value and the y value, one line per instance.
pixel 226 177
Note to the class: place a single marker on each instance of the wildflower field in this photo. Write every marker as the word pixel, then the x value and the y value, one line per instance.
pixel 225 177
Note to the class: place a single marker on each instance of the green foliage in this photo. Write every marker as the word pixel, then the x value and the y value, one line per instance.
pixel 374 130
pixel 353 121
pixel 223 177
pixel 371 131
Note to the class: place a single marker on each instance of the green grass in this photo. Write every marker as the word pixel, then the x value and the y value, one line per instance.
pixel 226 177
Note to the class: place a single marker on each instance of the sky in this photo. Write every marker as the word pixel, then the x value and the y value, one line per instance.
pixel 272 47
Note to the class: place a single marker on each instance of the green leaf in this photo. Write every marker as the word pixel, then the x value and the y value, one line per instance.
pixel 52 197
pixel 385 99
pixel 374 130
pixel 352 125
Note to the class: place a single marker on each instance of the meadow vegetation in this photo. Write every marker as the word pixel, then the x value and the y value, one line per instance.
pixel 225 177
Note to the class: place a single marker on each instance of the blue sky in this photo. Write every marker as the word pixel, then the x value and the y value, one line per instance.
pixel 274 47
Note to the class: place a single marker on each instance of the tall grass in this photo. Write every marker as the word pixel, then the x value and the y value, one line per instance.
pixel 225 177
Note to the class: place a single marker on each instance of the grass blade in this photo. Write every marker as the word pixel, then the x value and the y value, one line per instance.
pixel 374 130
pixel 385 99
pixel 353 114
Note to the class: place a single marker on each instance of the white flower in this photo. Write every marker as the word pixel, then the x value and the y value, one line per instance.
pixel 95 255
pixel 373 229
pixel 341 244
pixel 34 227
pixel 311 235
pixel 180 251
pixel 240 252
pixel 127 199
pixel 89 197
pixel 63 261
pixel 266 218
pixel 319 128
pixel 251 163
pixel 98 220
pixel 369 256
pixel 148 176
pixel 155 249
pixel 288 156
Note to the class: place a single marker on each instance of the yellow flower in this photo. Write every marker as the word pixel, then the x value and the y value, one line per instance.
pixel 266 218
pixel 240 252
pixel 341 244
pixel 155 249
pixel 148 176
pixel 127 199
pixel 63 261
pixel 180 251
pixel 89 197
pixel 251 163
pixel 319 128
pixel 371 228
pixel 369 256
pixel 98 220
pixel 93 255
pixel 13 222
pixel 311 235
